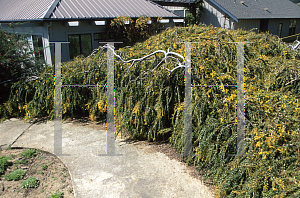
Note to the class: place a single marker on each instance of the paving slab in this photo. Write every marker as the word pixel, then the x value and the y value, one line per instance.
pixel 135 174
pixel 10 130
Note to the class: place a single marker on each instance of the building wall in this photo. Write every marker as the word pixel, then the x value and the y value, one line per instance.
pixel 212 16
pixel 273 26
pixel 248 24
pixel 59 31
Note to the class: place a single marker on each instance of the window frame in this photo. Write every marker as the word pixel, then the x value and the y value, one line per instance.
pixel 80 43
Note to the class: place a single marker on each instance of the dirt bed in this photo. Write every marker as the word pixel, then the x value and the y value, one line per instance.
pixel 52 177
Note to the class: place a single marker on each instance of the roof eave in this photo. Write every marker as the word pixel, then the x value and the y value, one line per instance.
pixel 224 10
pixel 22 20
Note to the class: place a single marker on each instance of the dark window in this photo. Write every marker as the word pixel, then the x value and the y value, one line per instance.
pixel 264 25
pixel 292 28
pixel 280 29
pixel 80 44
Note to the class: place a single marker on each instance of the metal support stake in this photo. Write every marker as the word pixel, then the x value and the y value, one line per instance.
pixel 58 102
pixel 188 135
pixel 240 102
pixel 110 135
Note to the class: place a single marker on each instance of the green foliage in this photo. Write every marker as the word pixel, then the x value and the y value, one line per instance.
pixel 44 166
pixel 21 161
pixel 16 175
pixel 17 60
pixel 150 104
pixel 137 30
pixel 57 195
pixel 28 153
pixel 4 163
pixel 31 182
pixel 196 11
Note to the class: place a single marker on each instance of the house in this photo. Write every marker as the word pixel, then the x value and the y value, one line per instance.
pixel 278 17
pixel 80 22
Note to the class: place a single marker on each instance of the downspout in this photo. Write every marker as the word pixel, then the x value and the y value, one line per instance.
pixel 48 55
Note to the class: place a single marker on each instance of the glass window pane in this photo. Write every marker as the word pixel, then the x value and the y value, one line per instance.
pixel 86 44
pixel 74 46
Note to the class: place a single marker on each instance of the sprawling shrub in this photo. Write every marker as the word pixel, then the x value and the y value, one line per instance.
pixel 150 104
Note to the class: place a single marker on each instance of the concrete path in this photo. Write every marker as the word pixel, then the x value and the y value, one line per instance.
pixel 135 174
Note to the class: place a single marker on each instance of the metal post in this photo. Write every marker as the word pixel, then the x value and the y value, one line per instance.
pixel 240 100
pixel 110 134
pixel 188 103
pixel 58 102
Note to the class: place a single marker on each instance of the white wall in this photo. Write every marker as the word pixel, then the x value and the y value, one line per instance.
pixel 215 17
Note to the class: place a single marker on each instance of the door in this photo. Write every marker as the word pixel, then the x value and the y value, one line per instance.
pixel 264 23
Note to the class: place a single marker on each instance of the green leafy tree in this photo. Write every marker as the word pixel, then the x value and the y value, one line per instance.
pixel 17 60
pixel 196 11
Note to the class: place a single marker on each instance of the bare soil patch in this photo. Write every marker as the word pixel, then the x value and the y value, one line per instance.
pixel 52 175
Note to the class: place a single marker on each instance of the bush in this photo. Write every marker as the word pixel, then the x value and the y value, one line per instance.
pixel 4 163
pixel 16 175
pixel 17 61
pixel 28 153
pixel 150 104
pixel 57 195
pixel 31 182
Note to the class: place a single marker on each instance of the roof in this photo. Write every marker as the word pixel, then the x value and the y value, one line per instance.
pixel 108 9
pixel 258 9
pixel 30 10
pixel 23 9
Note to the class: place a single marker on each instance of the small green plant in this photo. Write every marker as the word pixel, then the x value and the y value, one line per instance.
pixel 57 195
pixel 15 175
pixel 41 172
pixel 21 162
pixel 44 166
pixel 4 163
pixel 28 153
pixel 31 182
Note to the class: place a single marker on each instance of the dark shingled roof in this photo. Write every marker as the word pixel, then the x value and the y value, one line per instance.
pixel 30 10
pixel 258 9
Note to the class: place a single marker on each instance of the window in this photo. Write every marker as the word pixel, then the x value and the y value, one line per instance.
pixel 292 28
pixel 80 44
pixel 280 29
